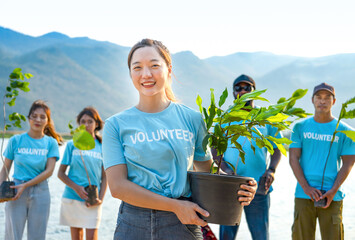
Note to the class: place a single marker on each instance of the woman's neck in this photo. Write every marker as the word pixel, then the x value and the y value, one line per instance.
pixel 152 104
pixel 35 134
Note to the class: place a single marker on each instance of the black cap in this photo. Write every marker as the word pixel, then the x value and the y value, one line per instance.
pixel 324 86
pixel 245 79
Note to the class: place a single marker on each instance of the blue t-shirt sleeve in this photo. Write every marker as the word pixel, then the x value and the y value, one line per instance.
pixel 53 150
pixel 9 151
pixel 348 146
pixel 112 149
pixel 200 154
pixel 67 154
pixel 296 137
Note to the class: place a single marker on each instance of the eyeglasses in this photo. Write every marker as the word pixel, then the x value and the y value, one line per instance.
pixel 246 88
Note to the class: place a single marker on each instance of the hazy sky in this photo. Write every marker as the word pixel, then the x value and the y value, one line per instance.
pixel 207 28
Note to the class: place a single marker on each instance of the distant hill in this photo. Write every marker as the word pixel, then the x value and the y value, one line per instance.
pixel 71 73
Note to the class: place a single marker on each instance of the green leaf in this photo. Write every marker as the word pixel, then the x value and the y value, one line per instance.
pixel 22 117
pixel 9 89
pixel 14 75
pixel 279 140
pixel 28 75
pixel 218 130
pixel 281 100
pixel 7 126
pixel 349 115
pixel 24 87
pixel 199 103
pixel 12 102
pixel 205 142
pixel 251 95
pixel 350 101
pixel 70 126
pixel 223 98
pixel 222 145
pixel 82 139
pixel 299 93
pixel 350 134
pixel 277 118
pixel 231 166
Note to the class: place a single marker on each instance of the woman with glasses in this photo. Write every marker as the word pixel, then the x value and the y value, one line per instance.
pixel 148 150
pixel 75 212
pixel 33 155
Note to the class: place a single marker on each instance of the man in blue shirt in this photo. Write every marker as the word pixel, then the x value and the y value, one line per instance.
pixel 312 161
pixel 257 213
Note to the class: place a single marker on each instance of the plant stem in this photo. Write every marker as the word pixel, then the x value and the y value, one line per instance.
pixel 2 142
pixel 87 174
pixel 326 161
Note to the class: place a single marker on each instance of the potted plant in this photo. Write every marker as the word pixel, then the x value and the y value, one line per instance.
pixel 17 81
pixel 344 114
pixel 82 140
pixel 218 193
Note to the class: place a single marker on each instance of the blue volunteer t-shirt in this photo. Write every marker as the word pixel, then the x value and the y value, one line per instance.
pixel 93 162
pixel 255 164
pixel 314 139
pixel 30 155
pixel 158 148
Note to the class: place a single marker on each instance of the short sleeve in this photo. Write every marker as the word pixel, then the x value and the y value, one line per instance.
pixel 296 137
pixel 67 154
pixel 200 154
pixel 348 147
pixel 112 149
pixel 53 150
pixel 9 151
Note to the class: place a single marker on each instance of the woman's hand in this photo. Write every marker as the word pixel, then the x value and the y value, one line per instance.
pixel 80 190
pixel 20 188
pixel 98 201
pixel 186 213
pixel 247 192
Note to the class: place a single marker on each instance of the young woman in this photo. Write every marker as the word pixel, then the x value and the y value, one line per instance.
pixel 75 212
pixel 34 155
pixel 148 150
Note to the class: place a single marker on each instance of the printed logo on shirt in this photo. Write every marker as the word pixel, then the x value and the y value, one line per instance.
pixel 33 151
pixel 92 154
pixel 320 137
pixel 162 134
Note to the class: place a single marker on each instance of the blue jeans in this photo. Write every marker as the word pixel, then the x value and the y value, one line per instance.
pixel 33 207
pixel 257 216
pixel 135 223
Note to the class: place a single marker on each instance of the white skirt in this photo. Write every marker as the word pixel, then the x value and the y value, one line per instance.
pixel 74 213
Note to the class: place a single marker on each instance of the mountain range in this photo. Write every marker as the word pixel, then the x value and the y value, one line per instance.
pixel 71 73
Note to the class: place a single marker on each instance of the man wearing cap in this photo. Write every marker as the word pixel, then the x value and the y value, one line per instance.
pixel 308 154
pixel 256 166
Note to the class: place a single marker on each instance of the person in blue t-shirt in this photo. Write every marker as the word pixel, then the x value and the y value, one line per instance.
pixel 148 150
pixel 75 212
pixel 34 155
pixel 308 159
pixel 256 166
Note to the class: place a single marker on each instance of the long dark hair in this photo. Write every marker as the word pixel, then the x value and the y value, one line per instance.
pixel 49 129
pixel 93 113
pixel 163 52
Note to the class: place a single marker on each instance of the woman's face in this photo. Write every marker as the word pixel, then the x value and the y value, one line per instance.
pixel 38 120
pixel 149 72
pixel 89 123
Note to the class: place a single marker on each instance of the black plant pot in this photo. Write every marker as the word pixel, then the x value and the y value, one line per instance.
pixel 93 194
pixel 321 202
pixel 7 193
pixel 218 194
